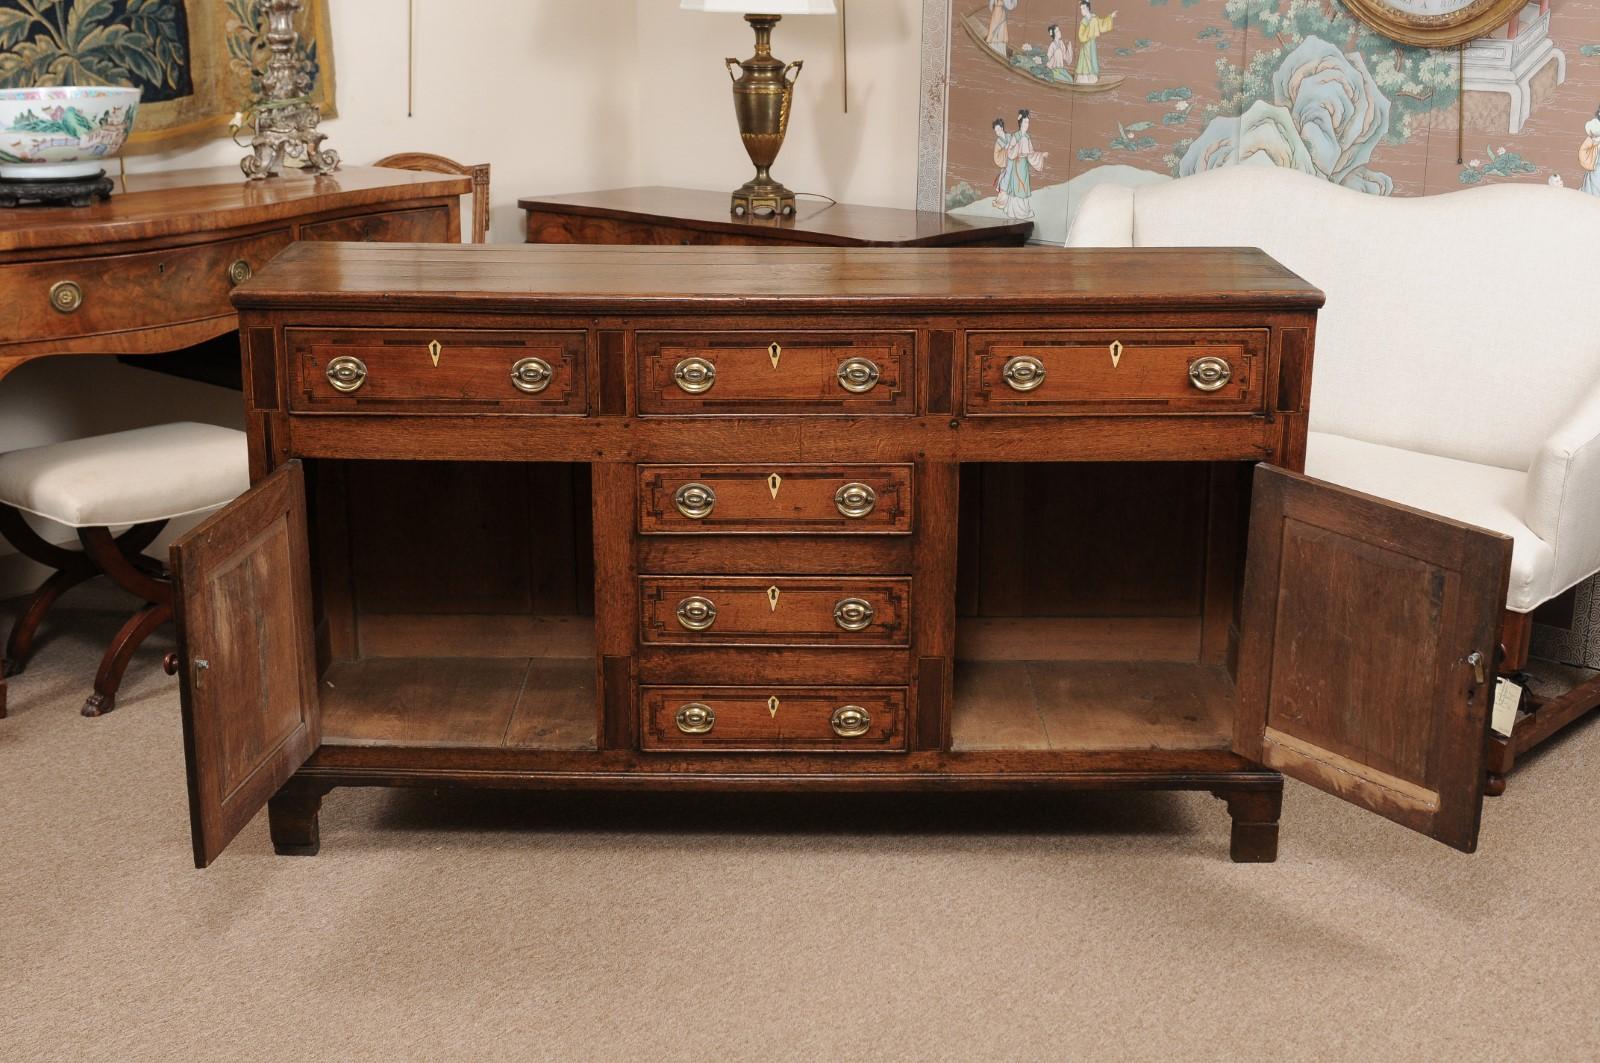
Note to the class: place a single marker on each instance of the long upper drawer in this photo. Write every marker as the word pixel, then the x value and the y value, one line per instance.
pixel 120 293
pixel 776 372
pixel 436 371
pixel 767 499
pixel 1112 371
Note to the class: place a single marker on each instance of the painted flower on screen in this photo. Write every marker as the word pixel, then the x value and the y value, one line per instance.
pixel 1325 118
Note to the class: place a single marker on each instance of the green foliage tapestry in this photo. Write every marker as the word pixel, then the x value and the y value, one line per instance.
pixel 198 61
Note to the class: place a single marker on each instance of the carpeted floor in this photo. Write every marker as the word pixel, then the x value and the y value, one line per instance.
pixel 486 926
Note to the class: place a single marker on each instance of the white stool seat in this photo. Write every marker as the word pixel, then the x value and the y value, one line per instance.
pixel 145 474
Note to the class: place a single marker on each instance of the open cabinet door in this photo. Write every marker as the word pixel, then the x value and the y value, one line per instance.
pixel 248 672
pixel 1367 650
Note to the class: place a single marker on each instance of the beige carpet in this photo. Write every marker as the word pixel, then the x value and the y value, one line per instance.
pixel 526 927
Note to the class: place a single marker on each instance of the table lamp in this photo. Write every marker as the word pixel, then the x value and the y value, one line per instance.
pixel 761 98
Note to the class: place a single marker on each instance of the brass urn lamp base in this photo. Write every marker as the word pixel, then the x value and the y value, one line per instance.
pixel 761 100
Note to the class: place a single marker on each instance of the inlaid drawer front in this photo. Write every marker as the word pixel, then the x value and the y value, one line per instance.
pixel 776 372
pixel 121 293
pixel 1069 371
pixel 781 499
pixel 424 371
pixel 424 225
pixel 731 719
pixel 723 610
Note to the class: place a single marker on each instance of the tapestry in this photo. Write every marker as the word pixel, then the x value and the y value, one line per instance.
pixel 1027 104
pixel 199 62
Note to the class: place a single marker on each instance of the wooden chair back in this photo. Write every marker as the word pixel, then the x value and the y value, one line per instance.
pixel 422 160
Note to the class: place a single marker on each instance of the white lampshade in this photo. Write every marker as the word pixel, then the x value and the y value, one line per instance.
pixel 763 7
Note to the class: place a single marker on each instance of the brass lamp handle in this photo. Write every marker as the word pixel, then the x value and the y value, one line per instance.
pixel 731 63
pixel 795 66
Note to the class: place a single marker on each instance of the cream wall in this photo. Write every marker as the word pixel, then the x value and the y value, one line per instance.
pixel 556 97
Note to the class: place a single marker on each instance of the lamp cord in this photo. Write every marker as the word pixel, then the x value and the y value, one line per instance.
pixel 818 195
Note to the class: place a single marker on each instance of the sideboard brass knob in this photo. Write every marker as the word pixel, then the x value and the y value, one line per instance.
pixel 66 296
pixel 852 614
pixel 858 375
pixel 695 501
pixel 694 375
pixel 1023 373
pixel 850 721
pixel 531 375
pixel 855 500
pixel 347 373
pixel 239 271
pixel 696 718
pixel 1210 373
pixel 697 613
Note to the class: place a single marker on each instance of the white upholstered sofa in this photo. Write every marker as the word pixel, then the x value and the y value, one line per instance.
pixel 1457 363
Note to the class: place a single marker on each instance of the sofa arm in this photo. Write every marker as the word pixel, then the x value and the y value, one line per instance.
pixel 1104 219
pixel 1562 506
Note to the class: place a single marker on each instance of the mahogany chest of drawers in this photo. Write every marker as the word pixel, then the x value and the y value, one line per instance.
pixel 730 519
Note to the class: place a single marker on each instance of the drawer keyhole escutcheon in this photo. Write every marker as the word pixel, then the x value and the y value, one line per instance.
pixel 773 483
pixel 695 501
pixel 347 373
pixel 853 614
pixel 696 718
pixel 697 613
pixel 850 721
pixel 434 350
pixel 855 500
pixel 772 706
pixel 66 296
pixel 531 375
pixel 772 598
pixel 1023 373
pixel 774 352
pixel 1116 353
pixel 858 375
pixel 1210 373
pixel 694 375
pixel 239 271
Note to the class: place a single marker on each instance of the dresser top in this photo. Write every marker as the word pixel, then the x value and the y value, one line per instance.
pixel 573 277
pixel 179 202
pixel 814 221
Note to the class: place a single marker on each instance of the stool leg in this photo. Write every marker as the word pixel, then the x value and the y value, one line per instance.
pixel 115 662
pixel 19 646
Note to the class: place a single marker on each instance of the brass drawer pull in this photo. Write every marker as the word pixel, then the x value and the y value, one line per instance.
pixel 858 375
pixel 66 296
pixel 853 614
pixel 531 375
pixel 697 613
pixel 850 721
pixel 1210 373
pixel 695 501
pixel 694 375
pixel 347 373
pixel 1023 373
pixel 696 718
pixel 855 500
pixel 239 271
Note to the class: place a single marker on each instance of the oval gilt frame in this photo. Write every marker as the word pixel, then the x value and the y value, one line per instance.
pixel 1471 20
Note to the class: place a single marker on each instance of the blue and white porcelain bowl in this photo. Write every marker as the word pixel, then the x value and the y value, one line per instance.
pixel 67 131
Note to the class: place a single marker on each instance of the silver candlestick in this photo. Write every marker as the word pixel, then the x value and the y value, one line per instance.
pixel 286 119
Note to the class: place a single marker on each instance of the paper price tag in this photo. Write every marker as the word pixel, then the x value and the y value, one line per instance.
pixel 1507 696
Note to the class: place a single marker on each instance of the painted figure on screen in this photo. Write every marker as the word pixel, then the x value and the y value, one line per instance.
pixel 1090 27
pixel 1589 156
pixel 999 32
pixel 1017 159
pixel 1058 57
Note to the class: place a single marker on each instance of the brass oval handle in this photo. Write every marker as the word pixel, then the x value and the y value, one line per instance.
pixel 1210 373
pixel 66 296
pixel 850 721
pixel 858 375
pixel 1023 373
pixel 695 501
pixel 347 373
pixel 694 375
pixel 696 718
pixel 697 613
pixel 853 614
pixel 239 271
pixel 531 375
pixel 855 500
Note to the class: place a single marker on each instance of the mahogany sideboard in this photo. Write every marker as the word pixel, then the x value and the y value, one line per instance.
pixel 813 519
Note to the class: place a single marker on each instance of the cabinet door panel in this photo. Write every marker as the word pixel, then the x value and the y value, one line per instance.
pixel 248 672
pixel 1357 667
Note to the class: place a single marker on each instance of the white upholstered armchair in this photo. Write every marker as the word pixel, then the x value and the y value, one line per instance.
pixel 1457 359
